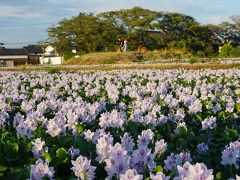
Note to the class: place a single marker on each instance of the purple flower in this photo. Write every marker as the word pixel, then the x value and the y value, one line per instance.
pixel 201 148
pixel 37 148
pixel 231 154
pixel 209 123
pixel 197 171
pixel 160 146
pixel 82 168
pixel 73 152
pixel 131 174
pixel 159 176
pixel 40 170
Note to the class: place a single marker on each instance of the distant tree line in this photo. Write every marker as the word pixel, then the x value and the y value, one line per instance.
pixel 143 27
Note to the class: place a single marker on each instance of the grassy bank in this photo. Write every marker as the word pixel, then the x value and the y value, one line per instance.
pixel 113 58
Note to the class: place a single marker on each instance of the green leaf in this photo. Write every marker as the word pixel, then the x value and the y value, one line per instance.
pixel 219 175
pixel 61 153
pixel 82 145
pixel 80 128
pixel 16 170
pixel 199 118
pixel 10 147
pixel 238 106
pixel 66 140
pixel 182 131
pixel 158 169
pixel 3 168
pixel 47 156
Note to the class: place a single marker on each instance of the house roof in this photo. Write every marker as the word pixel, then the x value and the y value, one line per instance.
pixel 33 49
pixel 12 52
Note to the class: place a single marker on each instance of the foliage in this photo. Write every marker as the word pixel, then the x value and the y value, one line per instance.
pixel 235 52
pixel 142 27
pixel 226 50
pixel 193 60
pixel 175 53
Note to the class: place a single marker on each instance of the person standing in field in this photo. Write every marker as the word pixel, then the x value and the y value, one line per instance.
pixel 121 44
pixel 124 45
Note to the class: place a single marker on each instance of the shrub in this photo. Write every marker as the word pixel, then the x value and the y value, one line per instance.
pixel 53 70
pixel 175 53
pixel 193 60
pixel 201 54
pixel 226 50
pixel 235 52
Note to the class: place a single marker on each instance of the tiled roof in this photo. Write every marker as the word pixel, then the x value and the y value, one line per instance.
pixel 33 49
pixel 12 52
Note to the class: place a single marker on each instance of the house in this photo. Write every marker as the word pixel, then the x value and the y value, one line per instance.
pixel 19 56
pixel 51 56
pixel 34 53
pixel 31 54
pixel 13 57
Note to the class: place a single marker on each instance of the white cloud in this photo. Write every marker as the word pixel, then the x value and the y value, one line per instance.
pixel 17 11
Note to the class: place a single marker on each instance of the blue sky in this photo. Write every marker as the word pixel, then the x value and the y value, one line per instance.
pixel 25 22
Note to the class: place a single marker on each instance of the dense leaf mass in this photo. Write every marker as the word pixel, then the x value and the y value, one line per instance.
pixel 146 28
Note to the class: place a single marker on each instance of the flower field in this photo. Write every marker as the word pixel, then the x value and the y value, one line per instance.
pixel 121 124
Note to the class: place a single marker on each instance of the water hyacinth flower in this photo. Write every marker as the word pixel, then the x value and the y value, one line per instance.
pixel 160 146
pixel 145 137
pixel 3 116
pixel 103 147
pixel 142 157
pixel 231 154
pixel 82 168
pixel 113 119
pixel 73 152
pixel 173 160
pixel 159 176
pixel 201 148
pixel 127 142
pixel 88 135
pixel 53 128
pixel 197 171
pixel 116 163
pixel 37 148
pixel 41 170
pixel 209 123
pixel 131 174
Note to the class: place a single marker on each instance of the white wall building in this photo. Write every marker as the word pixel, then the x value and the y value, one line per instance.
pixel 51 56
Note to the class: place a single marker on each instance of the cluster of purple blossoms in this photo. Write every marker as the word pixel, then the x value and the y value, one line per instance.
pixel 113 119
pixel 197 171
pixel 159 176
pixel 117 161
pixel 82 168
pixel 37 147
pixel 131 174
pixel 209 123
pixel 41 170
pixel 202 148
pixel 231 154
pixel 173 160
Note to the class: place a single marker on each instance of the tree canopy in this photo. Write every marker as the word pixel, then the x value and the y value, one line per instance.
pixel 87 32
